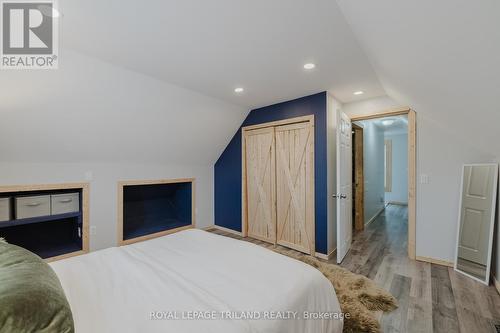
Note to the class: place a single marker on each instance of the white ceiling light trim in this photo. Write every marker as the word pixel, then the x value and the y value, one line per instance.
pixel 309 66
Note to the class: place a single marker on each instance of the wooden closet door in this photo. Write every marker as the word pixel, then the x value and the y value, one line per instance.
pixel 261 184
pixel 295 186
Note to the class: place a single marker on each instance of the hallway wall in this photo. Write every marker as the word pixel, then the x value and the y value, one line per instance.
pixel 373 156
pixel 399 193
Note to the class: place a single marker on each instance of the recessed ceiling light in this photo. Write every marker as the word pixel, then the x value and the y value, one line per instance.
pixel 358 92
pixel 238 90
pixel 387 122
pixel 309 66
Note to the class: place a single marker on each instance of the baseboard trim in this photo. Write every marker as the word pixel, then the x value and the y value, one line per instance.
pixel 496 283
pixel 435 261
pixel 326 256
pixel 316 254
pixel 231 231
pixel 375 216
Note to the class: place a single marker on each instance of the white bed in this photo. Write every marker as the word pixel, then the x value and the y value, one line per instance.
pixel 187 273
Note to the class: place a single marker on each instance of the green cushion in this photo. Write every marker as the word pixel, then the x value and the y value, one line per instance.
pixel 31 296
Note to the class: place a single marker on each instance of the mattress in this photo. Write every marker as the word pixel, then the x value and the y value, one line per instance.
pixel 195 281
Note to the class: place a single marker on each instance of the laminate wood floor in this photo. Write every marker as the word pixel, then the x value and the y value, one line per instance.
pixel 432 298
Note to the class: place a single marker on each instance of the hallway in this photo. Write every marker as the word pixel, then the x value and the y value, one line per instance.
pixel 386 235
pixel 432 298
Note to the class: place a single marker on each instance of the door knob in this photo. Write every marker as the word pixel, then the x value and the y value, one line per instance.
pixel 339 196
pixel 343 196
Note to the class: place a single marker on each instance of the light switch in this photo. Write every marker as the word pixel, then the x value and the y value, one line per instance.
pixel 424 179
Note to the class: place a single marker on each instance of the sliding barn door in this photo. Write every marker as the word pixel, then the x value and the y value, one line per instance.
pixel 295 186
pixel 261 184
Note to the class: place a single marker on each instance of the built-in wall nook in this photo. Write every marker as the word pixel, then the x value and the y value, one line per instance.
pixel 153 208
pixel 49 220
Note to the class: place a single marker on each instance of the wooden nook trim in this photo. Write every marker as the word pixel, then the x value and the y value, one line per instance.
pixel 412 167
pixel 65 256
pixel 154 235
pixel 122 183
pixel 61 186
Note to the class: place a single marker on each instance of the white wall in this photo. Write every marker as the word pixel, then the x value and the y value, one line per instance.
pixel 399 191
pixel 373 159
pixel 103 188
pixel 441 151
pixel 440 155
pixel 92 116
pixel 368 106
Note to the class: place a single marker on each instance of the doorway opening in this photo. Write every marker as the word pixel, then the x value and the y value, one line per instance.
pixel 380 168
pixel 380 159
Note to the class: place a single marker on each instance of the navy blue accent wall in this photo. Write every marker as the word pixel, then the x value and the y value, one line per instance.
pixel 228 166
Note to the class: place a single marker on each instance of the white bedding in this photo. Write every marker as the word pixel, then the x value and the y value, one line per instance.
pixel 184 274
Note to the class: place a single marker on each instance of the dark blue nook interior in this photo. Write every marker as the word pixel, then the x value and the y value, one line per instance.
pixel 46 235
pixel 148 209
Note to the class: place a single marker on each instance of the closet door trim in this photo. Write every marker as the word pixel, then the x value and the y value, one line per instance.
pixel 244 206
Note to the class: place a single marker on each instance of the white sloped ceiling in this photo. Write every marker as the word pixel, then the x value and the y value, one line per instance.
pixel 440 57
pixel 152 81
pixel 214 46
pixel 91 111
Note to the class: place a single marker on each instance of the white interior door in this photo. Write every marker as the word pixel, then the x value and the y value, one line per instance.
pixel 479 187
pixel 344 185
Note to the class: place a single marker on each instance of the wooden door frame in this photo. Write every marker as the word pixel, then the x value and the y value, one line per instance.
pixel 412 166
pixel 244 206
pixel 359 222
